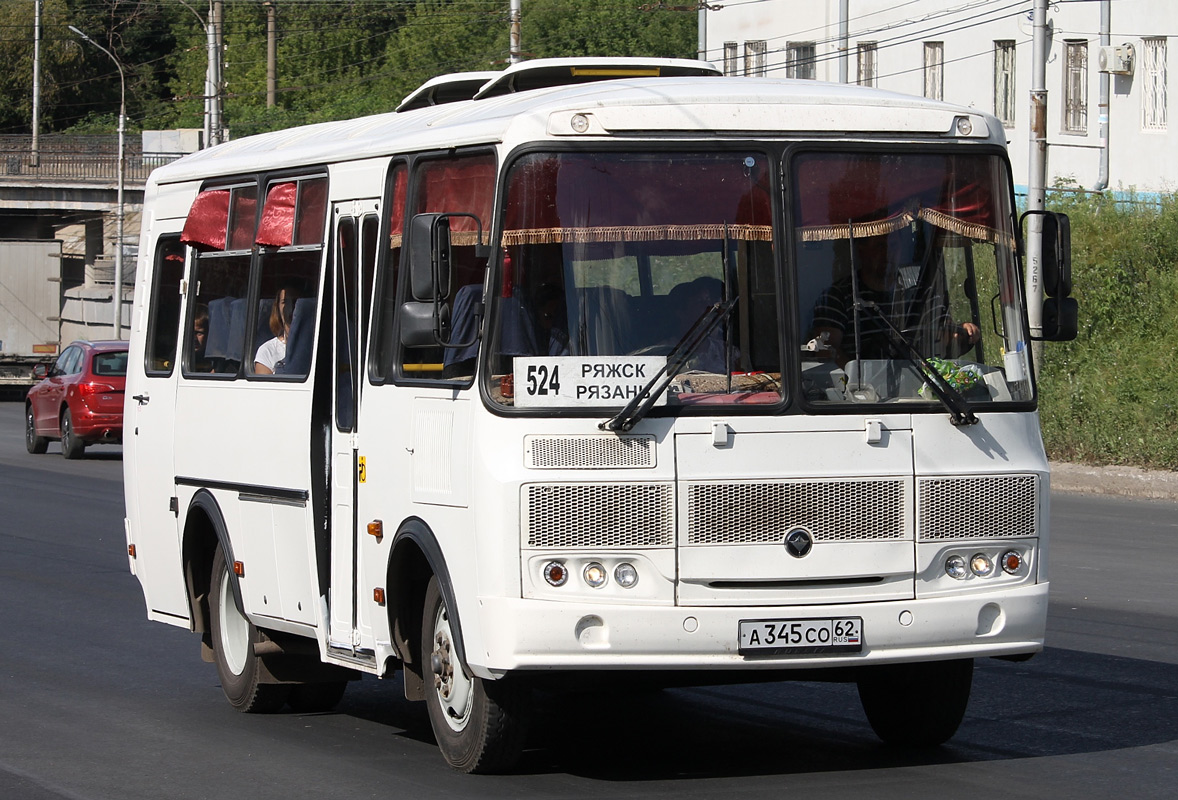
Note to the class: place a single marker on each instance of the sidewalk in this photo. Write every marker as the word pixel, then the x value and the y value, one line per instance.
pixel 1124 481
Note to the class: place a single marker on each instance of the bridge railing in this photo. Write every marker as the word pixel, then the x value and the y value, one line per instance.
pixel 83 159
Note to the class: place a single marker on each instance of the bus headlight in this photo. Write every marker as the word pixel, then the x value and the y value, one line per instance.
pixel 625 575
pixel 955 567
pixel 595 574
pixel 981 565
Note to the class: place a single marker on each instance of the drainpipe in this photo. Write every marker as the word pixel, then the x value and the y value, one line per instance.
pixel 1105 26
pixel 844 40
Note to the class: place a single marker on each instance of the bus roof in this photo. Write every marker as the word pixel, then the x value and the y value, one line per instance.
pixel 626 107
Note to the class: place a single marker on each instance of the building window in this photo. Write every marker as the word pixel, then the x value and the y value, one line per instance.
pixel 730 57
pixel 934 70
pixel 867 64
pixel 754 58
pixel 799 63
pixel 1075 87
pixel 1153 94
pixel 1004 82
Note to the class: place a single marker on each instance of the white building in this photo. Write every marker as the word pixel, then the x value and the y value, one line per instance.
pixel 979 53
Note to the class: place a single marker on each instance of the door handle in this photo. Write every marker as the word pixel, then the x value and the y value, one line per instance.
pixel 142 399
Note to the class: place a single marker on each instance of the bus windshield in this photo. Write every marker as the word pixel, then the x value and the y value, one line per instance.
pixel 610 259
pixel 902 258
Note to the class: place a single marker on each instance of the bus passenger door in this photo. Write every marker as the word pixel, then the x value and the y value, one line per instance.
pixel 149 420
pixel 354 258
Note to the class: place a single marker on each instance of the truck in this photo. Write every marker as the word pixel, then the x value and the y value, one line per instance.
pixel 30 307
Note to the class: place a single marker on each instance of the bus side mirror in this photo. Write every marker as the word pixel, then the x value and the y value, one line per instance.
pixel 429 256
pixel 418 325
pixel 1061 312
pixel 1057 255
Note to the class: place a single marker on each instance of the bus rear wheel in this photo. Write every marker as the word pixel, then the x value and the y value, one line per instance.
pixel 234 636
pixel 480 725
pixel 916 705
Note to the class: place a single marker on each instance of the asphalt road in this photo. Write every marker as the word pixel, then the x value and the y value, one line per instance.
pixel 97 702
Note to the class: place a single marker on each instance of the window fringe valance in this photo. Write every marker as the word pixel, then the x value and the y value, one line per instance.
pixel 637 233
pixel 939 219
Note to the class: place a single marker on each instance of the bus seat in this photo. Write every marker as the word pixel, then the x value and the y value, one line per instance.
pixel 262 332
pixel 465 324
pixel 301 341
pixel 236 344
pixel 217 345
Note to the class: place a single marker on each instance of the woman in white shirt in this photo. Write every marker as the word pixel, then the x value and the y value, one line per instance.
pixel 273 351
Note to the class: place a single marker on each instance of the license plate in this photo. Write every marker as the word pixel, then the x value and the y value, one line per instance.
pixel 801 636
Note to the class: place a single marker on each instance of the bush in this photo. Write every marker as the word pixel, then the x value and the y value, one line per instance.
pixel 1110 396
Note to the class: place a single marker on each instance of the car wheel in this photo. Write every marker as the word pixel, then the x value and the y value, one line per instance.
pixel 916 705
pixel 233 637
pixel 480 725
pixel 33 443
pixel 71 445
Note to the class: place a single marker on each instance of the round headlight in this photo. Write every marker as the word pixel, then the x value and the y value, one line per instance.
pixel 595 575
pixel 955 567
pixel 625 575
pixel 981 565
pixel 556 573
pixel 1012 560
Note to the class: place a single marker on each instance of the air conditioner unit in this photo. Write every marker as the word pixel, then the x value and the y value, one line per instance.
pixel 1116 60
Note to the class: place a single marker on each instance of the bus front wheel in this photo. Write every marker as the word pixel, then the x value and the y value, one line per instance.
pixel 916 705
pixel 480 725
pixel 234 636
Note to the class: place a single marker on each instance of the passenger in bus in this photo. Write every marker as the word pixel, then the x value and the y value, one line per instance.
pixel 552 336
pixel 880 283
pixel 687 302
pixel 200 339
pixel 272 352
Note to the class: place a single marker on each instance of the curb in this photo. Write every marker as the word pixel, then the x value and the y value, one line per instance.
pixel 1123 481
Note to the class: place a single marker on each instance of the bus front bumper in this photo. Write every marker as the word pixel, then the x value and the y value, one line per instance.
pixel 543 635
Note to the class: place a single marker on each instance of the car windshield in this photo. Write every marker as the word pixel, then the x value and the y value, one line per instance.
pixel 110 364
pixel 610 259
pixel 900 254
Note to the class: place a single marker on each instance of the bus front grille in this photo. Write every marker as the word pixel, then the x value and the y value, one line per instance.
pixel 598 515
pixel 978 507
pixel 760 512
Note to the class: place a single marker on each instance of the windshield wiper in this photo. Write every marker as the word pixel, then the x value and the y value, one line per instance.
pixel 683 350
pixel 959 410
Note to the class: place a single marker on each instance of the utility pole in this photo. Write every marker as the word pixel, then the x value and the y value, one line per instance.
pixel 35 156
pixel 215 131
pixel 844 41
pixel 271 53
pixel 702 36
pixel 515 45
pixel 1037 180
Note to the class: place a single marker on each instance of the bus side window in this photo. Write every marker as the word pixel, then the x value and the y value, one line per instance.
pixel 463 184
pixel 384 342
pixel 293 221
pixel 163 312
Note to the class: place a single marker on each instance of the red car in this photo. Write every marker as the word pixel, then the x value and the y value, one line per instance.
pixel 79 400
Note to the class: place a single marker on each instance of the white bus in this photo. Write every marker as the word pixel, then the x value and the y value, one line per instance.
pixel 594 370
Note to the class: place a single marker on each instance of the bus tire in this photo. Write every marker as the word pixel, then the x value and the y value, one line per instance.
pixel 306 698
pixel 71 445
pixel 233 637
pixel 916 705
pixel 480 725
pixel 36 445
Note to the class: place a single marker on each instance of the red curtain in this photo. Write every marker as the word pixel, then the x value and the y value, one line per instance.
pixel 277 226
pixel 603 198
pixel 207 221
pixel 245 212
pixel 461 185
pixel 397 213
pixel 877 194
pixel 312 211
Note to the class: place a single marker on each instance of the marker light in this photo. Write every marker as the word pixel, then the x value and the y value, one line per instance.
pixel 981 565
pixel 625 575
pixel 1012 560
pixel 955 567
pixel 579 123
pixel 964 126
pixel 595 575
pixel 555 573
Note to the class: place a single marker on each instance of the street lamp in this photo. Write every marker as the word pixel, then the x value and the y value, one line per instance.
pixel 118 291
